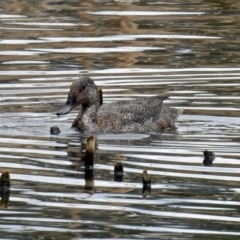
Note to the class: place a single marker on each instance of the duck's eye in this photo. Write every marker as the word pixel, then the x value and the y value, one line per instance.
pixel 84 85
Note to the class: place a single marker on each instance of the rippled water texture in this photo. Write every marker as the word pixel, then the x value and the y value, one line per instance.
pixel 188 49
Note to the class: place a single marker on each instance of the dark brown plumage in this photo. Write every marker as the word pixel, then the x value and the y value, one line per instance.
pixel 142 114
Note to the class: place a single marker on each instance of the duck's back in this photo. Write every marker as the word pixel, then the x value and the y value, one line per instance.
pixel 140 114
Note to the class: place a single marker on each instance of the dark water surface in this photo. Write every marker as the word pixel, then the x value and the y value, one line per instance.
pixel 189 49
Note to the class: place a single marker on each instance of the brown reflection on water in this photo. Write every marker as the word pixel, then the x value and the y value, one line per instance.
pixel 181 52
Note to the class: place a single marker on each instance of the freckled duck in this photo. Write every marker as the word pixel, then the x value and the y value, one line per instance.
pixel 142 114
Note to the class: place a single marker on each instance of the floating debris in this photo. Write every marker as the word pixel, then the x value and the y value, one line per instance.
pixel 89 156
pixel 208 158
pixel 89 181
pixel 118 167
pixel 5 189
pixel 224 198
pixel 118 172
pixel 4 199
pixel 5 181
pixel 146 179
pixel 54 130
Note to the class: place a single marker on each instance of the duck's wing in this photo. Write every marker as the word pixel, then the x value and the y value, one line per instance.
pixel 127 112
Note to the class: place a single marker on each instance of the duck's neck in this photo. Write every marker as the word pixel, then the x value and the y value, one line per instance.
pixel 90 112
pixel 92 104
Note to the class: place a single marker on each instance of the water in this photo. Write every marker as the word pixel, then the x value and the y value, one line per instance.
pixel 131 49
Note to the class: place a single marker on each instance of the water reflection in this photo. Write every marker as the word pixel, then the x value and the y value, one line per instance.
pixel 89 181
pixel 5 196
pixel 132 49
pixel 89 158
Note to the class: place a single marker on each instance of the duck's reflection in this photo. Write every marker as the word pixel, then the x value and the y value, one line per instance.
pixel 5 189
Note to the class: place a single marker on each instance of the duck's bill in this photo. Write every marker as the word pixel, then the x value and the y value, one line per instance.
pixel 66 109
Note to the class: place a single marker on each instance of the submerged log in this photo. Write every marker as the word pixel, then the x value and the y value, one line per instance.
pixel 209 157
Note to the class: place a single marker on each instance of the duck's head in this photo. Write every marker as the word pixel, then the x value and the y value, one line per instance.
pixel 82 91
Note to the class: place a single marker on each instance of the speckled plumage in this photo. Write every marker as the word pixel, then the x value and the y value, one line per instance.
pixel 142 114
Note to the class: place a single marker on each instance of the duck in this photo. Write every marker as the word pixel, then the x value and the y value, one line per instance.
pixel 138 115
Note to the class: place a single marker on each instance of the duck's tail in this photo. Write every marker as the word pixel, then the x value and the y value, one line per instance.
pixel 169 116
pixel 165 96
pixel 179 111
